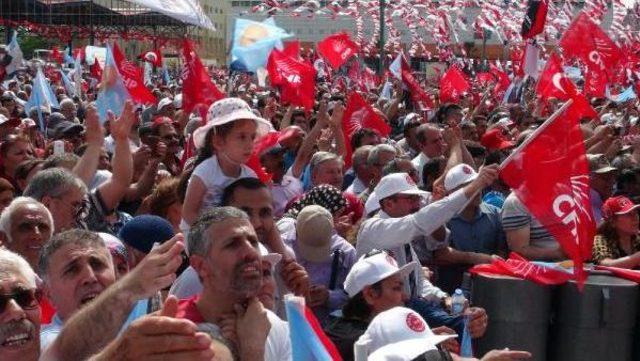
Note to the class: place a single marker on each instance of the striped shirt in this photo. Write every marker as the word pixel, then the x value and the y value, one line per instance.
pixel 515 216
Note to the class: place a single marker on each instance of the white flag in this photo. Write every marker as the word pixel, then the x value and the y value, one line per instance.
pixel 188 11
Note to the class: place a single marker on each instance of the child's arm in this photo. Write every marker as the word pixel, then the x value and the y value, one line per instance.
pixel 193 199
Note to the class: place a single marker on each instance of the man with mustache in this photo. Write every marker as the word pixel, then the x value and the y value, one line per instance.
pixel 19 309
pixel 223 248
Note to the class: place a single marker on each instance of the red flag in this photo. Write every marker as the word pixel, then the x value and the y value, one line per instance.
pixel 291 49
pixel 561 199
pixel 631 275
pixel 359 114
pixel 518 266
pixel 595 84
pixel 296 78
pixel 152 56
pixel 95 70
pixel 452 85
pixel 517 55
pixel 260 145
pixel 485 79
pixel 585 40
pixel 132 78
pixel 502 83
pixel 400 69
pixel 197 87
pixel 336 49
pixel 56 56
pixel 553 82
pixel 534 19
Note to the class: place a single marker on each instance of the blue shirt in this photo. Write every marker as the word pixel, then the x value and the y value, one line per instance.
pixel 483 234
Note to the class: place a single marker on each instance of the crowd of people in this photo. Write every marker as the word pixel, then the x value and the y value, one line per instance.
pixel 149 237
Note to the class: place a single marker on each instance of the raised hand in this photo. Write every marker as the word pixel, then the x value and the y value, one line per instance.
pixel 157 270
pixel 121 127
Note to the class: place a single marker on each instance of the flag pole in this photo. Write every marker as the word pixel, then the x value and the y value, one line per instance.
pixel 536 132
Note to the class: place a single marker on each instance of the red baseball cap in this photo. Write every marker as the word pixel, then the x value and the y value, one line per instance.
pixel 617 206
pixel 494 139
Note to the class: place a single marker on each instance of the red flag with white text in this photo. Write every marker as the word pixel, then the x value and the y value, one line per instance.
pixel 518 266
pixel 595 84
pixel 336 49
pixel 132 78
pixel 585 40
pixel 359 114
pixel 560 200
pixel 197 87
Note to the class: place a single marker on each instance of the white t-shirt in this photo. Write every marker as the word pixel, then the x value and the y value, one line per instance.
pixel 282 193
pixel 216 181
pixel 278 344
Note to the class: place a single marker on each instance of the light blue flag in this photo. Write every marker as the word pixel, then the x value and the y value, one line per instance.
pixel 41 96
pixel 13 49
pixel 113 94
pixel 466 347
pixel 68 85
pixel 626 95
pixel 165 75
pixel 253 42
pixel 68 59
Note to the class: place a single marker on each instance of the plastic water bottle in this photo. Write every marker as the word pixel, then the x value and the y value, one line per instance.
pixel 458 302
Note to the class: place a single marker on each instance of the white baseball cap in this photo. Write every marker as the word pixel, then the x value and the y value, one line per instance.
pixel 163 103
pixel 225 111
pixel 459 175
pixel 372 204
pixel 373 269
pixel 177 101
pixel 397 183
pixel 400 334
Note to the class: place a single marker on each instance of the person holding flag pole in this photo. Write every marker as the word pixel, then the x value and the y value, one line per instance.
pixel 560 200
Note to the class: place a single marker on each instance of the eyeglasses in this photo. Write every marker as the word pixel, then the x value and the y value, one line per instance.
pixel 26 299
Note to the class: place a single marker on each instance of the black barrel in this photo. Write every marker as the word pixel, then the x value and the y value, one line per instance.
pixel 597 324
pixel 519 314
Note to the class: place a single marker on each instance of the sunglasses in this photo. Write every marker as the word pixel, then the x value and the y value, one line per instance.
pixel 26 299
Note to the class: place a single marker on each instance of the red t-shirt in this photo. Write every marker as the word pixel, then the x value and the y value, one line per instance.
pixel 187 309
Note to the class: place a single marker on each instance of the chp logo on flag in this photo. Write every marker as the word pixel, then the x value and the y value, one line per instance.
pixel 415 323
pixel 466 169
pixel 567 205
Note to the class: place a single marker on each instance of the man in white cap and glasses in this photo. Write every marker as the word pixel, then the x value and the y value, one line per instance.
pixel 402 220
pixel 374 285
pixel 401 334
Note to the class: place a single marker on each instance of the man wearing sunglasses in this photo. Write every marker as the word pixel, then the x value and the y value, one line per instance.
pixel 19 309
